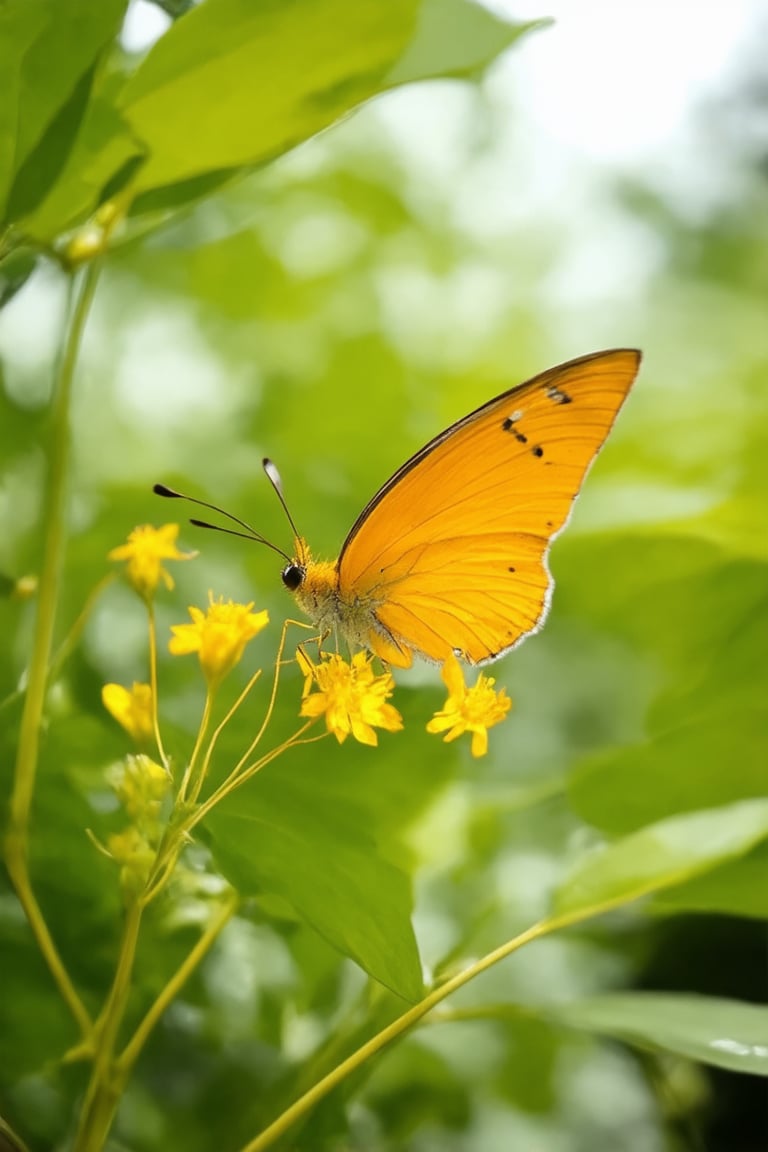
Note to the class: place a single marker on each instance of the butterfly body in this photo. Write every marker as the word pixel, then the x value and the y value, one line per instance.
pixel 315 586
pixel 450 556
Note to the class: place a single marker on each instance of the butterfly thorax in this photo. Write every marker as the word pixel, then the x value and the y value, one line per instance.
pixel 315 587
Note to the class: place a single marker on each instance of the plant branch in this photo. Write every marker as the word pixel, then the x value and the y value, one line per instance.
pixel 107 1079
pixel 153 684
pixel 134 1046
pixel 22 792
pixel 217 733
pixel 189 771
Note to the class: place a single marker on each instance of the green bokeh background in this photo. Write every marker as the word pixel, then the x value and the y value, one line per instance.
pixel 334 310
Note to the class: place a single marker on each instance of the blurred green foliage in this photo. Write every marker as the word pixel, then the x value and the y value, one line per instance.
pixel 333 308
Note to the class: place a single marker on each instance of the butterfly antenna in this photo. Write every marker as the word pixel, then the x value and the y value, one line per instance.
pixel 249 533
pixel 274 478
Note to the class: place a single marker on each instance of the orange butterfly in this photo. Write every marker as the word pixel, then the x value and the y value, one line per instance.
pixel 450 555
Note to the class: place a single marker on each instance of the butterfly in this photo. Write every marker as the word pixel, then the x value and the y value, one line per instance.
pixel 450 555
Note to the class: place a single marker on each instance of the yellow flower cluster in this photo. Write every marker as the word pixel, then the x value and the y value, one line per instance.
pixel 354 701
pixel 141 786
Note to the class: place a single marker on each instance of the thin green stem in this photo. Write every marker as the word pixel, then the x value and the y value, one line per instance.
pixel 64 650
pixel 403 1024
pixel 217 733
pixel 130 1053
pixel 163 867
pixel 201 732
pixel 191 816
pixel 153 683
pixel 272 699
pixel 107 1079
pixel 19 872
pixel 234 781
pixel 22 792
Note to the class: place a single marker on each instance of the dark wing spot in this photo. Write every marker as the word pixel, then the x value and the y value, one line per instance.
pixel 509 426
pixel 537 450
pixel 511 569
pixel 557 396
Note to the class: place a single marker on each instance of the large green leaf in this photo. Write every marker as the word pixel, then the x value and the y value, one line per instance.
pixel 739 888
pixel 706 628
pixel 47 54
pixel 454 38
pixel 15 270
pixel 104 147
pixel 710 760
pixel 288 835
pixel 725 1033
pixel 661 855
pixel 246 82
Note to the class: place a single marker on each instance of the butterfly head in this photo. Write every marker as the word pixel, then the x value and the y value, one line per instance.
pixel 294 573
pixel 314 586
pixel 293 576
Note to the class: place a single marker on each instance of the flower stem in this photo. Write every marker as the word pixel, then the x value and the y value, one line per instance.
pixel 189 778
pixel 153 684
pixel 272 698
pixel 108 1078
pixel 130 1053
pixel 403 1024
pixel 22 792
pixel 235 780
pixel 217 733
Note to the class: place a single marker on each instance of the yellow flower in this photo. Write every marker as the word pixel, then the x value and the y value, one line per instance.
pixel 145 548
pixel 352 698
pixel 472 710
pixel 131 707
pixel 219 635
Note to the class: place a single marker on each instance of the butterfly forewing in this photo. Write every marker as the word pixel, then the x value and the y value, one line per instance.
pixel 453 548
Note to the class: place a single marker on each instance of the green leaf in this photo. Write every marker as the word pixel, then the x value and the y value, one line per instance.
pixel 455 38
pixel 40 169
pixel 661 855
pixel 725 1033
pixel 737 888
pixel 707 630
pixel 104 148
pixel 288 835
pixel 15 270
pixel 248 82
pixel 675 771
pixel 47 54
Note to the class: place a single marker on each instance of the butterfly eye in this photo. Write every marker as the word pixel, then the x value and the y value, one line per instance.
pixel 293 576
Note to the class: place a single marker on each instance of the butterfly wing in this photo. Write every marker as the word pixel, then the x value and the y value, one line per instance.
pixel 451 554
